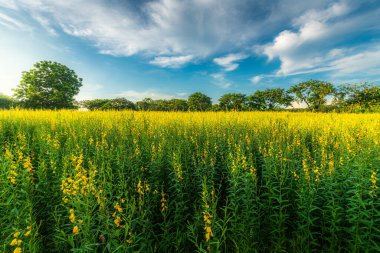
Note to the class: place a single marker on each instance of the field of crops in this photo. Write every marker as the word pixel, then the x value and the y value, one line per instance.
pixel 189 182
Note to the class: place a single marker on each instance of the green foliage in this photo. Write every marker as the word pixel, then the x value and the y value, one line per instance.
pixel 362 95
pixel 178 105
pixel 269 99
pixel 6 102
pixel 49 85
pixel 199 102
pixel 95 104
pixel 118 104
pixel 149 104
pixel 313 93
pixel 232 101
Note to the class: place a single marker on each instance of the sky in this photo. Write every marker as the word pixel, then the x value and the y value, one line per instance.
pixel 166 49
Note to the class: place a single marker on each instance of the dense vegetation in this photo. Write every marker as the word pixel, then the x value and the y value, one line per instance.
pixel 6 102
pixel 313 95
pixel 187 182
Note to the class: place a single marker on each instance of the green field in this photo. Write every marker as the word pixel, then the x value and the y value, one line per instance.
pixel 189 182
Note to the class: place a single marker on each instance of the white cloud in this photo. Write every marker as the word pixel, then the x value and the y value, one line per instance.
pixel 134 95
pixel 228 62
pixel 256 79
pixel 311 46
pixel 163 28
pixel 221 80
pixel 362 63
pixel 172 61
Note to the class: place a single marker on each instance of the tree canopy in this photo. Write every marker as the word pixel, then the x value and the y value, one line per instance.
pixel 313 93
pixel 199 102
pixel 48 85
pixel 232 101
pixel 269 99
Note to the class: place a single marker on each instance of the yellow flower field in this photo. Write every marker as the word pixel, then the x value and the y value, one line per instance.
pixel 189 182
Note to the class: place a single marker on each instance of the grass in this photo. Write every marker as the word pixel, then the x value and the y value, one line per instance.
pixel 189 182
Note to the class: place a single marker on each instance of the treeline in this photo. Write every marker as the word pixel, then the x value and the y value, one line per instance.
pixel 311 95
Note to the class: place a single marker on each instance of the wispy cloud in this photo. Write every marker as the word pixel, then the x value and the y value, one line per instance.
pixel 9 4
pixel 172 61
pixel 163 28
pixel 229 62
pixel 45 23
pixel 12 23
pixel 221 80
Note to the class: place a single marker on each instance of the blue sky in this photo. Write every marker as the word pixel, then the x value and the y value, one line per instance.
pixel 170 49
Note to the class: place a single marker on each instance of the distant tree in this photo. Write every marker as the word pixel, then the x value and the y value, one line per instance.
pixel 313 93
pixel 95 104
pixel 119 104
pixel 161 105
pixel 48 85
pixel 177 104
pixel 269 99
pixel 363 95
pixel 199 102
pixel 6 102
pixel 232 101
pixel 147 104
pixel 215 108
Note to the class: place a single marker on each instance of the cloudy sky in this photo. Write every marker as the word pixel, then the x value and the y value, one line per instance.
pixel 172 48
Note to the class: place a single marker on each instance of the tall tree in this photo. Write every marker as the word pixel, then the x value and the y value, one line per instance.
pixel 232 101
pixel 199 102
pixel 364 95
pixel 269 99
pixel 48 85
pixel 313 93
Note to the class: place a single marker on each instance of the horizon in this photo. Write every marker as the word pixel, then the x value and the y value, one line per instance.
pixel 164 49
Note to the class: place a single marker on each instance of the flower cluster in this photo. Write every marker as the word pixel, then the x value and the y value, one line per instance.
pixel 207 220
pixel 142 187
pixel 117 214
pixel 164 207
pixel 81 183
pixel 16 241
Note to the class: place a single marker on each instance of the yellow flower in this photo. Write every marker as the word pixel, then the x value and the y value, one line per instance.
pixel 118 208
pixel 28 164
pixel 76 229
pixel 17 250
pixel 13 242
pixel 140 189
pixel 17 234
pixel 117 221
pixel 72 217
